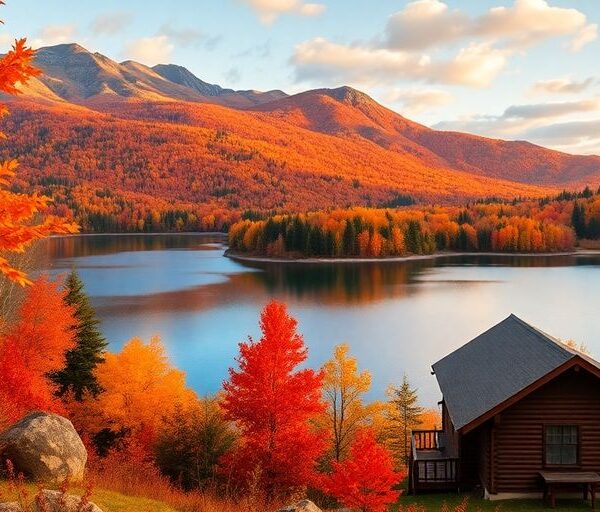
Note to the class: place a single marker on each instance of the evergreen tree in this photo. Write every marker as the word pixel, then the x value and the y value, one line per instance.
pixel 578 220
pixel 414 237
pixel 78 374
pixel 405 416
pixel 349 239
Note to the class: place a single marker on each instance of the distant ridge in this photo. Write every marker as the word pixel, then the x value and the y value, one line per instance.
pixel 72 73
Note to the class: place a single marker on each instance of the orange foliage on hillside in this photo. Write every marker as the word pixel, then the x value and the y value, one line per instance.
pixel 179 166
pixel 17 211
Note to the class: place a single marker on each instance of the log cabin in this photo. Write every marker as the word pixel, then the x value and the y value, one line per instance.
pixel 516 402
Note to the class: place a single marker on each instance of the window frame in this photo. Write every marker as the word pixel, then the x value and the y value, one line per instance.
pixel 545 444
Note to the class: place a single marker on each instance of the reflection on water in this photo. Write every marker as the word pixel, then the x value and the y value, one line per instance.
pixel 399 317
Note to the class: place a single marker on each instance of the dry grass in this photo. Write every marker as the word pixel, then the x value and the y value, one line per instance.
pixel 145 481
pixel 131 488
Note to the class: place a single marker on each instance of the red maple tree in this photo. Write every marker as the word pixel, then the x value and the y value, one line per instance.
pixel 273 403
pixel 364 480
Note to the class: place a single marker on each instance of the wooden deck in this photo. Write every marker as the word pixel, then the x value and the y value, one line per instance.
pixel 432 465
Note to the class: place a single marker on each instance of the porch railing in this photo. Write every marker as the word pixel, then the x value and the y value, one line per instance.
pixel 430 466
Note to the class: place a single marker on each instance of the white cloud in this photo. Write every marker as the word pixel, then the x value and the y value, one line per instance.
pixel 415 101
pixel 475 66
pixel 111 23
pixel 585 36
pixel 561 86
pixel 182 36
pixel 150 50
pixel 318 59
pixel 269 10
pixel 232 75
pixel 423 24
pixel 550 110
pixel 535 122
pixel 54 34
pixel 581 137
pixel 419 41
pixel 430 23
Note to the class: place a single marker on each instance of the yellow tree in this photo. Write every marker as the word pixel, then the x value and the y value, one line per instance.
pixel 343 389
pixel 141 388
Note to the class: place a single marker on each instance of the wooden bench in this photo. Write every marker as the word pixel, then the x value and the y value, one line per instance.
pixel 554 479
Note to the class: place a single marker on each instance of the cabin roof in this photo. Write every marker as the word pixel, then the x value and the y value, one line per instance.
pixel 496 365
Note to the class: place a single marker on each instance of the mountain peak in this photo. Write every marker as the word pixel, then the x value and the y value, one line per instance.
pixel 64 48
pixel 183 76
pixel 347 94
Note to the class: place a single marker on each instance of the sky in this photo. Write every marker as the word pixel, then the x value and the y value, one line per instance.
pixel 511 69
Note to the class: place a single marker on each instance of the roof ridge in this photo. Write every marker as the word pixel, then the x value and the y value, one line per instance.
pixel 551 340
pixel 459 349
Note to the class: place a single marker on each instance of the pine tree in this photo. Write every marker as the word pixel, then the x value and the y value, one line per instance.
pixel 578 220
pixel 349 239
pixel 78 374
pixel 404 417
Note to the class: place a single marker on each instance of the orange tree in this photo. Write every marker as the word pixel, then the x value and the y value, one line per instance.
pixel 19 223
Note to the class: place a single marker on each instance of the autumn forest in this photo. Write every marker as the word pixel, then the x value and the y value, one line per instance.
pixel 94 146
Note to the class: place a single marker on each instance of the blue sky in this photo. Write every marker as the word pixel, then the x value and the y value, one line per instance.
pixel 515 69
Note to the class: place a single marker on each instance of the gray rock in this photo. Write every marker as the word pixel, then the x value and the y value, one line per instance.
pixel 58 502
pixel 45 448
pixel 54 501
pixel 301 506
pixel 10 507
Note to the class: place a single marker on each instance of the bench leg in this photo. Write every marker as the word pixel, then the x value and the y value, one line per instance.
pixel 552 497
pixel 586 488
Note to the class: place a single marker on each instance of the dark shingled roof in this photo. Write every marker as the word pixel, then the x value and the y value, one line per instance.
pixel 495 366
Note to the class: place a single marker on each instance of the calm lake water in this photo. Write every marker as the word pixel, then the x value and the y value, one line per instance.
pixel 397 317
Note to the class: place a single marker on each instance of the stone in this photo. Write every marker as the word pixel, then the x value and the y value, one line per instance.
pixel 59 502
pixel 45 448
pixel 301 506
pixel 54 501
pixel 10 507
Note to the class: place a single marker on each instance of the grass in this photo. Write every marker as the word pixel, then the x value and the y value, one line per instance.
pixel 108 501
pixel 435 503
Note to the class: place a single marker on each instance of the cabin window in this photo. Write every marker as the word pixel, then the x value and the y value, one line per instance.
pixel 562 443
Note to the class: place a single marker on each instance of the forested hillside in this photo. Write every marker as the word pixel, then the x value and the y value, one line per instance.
pixel 125 147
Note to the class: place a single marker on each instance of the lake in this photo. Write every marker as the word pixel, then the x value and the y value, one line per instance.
pixel 398 317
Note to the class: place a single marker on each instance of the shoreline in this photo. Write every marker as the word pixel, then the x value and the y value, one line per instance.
pixel 400 259
pixel 160 233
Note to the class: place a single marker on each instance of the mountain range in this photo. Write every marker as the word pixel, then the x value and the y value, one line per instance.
pixel 160 134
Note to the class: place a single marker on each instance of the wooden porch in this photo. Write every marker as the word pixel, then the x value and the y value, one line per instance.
pixel 433 464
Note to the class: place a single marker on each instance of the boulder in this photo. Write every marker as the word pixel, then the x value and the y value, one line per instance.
pixel 10 507
pixel 301 506
pixel 54 501
pixel 45 448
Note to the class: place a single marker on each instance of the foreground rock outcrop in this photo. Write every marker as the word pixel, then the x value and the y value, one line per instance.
pixel 54 501
pixel 45 448
pixel 301 506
